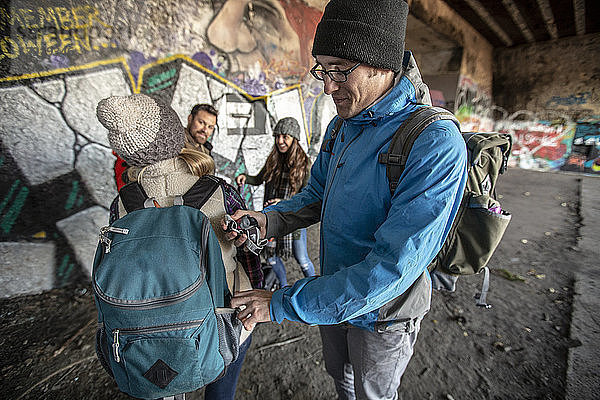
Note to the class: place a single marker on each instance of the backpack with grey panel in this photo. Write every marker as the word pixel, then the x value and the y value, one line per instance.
pixel 160 288
pixel 480 222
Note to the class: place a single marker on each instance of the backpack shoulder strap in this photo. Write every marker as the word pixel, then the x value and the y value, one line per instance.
pixel 404 138
pixel 201 191
pixel 233 200
pixel 133 196
pixel 327 145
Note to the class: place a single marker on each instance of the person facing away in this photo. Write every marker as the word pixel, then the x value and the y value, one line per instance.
pixel 150 138
pixel 285 173
pixel 201 125
pixel 375 246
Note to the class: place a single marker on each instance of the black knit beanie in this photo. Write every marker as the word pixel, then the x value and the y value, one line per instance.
pixel 369 31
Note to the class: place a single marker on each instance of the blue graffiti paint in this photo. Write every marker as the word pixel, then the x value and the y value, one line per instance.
pixel 72 196
pixel 63 265
pixel 7 198
pixel 579 98
pixel 13 212
pixel 64 270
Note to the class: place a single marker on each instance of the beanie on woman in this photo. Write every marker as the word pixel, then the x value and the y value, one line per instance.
pixel 141 130
pixel 287 126
pixel 367 31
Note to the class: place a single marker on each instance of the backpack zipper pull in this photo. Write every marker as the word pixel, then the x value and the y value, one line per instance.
pixel 123 231
pixel 105 240
pixel 115 345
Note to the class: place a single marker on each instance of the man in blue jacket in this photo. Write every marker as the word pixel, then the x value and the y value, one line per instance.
pixel 374 287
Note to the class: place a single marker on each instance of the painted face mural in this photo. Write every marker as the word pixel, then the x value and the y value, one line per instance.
pixel 266 39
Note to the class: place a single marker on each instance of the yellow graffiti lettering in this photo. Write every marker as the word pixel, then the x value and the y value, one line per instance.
pixel 50 40
pixel 13 52
pixel 27 44
pixel 78 42
pixel 47 15
pixel 4 17
pixel 28 18
pixel 64 42
pixel 79 17
pixel 94 14
pixel 51 30
pixel 39 43
pixel 12 19
pixel 64 17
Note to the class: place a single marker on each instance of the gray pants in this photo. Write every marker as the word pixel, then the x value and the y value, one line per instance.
pixel 367 365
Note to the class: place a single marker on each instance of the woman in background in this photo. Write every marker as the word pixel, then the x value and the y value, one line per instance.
pixel 285 173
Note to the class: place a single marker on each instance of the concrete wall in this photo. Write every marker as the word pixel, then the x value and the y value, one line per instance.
pixel 58 58
pixel 548 96
pixel 473 98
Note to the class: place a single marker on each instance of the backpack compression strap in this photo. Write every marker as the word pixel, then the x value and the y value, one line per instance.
pixel 133 196
pixel 404 138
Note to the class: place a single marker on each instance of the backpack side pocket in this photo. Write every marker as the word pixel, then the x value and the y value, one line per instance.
pixel 478 233
pixel 230 329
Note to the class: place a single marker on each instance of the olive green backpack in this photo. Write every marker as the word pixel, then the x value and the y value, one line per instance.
pixel 480 222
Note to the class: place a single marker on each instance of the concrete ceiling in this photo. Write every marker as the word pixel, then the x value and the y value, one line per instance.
pixel 436 54
pixel 507 23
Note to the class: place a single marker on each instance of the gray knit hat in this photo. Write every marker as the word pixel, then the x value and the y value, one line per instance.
pixel 368 31
pixel 287 126
pixel 141 130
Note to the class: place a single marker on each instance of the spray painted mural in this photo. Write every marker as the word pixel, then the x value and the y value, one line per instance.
pixel 549 140
pixel 57 60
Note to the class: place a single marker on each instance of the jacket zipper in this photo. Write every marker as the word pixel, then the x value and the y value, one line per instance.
pixel 337 166
pixel 149 330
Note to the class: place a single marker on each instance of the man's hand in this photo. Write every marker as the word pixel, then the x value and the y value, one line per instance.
pixel 254 307
pixel 241 239
pixel 271 202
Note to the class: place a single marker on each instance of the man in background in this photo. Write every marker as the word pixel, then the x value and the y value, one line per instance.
pixel 201 125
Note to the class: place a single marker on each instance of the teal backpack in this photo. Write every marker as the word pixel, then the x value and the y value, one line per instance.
pixel 162 297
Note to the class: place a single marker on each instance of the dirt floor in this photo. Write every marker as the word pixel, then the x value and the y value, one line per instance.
pixel 515 350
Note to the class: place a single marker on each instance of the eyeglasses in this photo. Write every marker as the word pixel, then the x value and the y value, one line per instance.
pixel 333 74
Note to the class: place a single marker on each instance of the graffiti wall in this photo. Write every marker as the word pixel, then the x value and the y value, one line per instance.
pixel 59 58
pixel 557 85
pixel 546 139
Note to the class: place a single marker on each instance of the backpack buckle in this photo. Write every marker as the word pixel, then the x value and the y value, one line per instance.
pixel 392 159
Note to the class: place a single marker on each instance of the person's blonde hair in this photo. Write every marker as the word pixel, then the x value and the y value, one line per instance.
pixel 198 163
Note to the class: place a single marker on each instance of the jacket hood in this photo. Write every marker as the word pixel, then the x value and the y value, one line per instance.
pixel 410 88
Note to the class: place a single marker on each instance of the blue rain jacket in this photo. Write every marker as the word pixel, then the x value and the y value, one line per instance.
pixel 373 245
